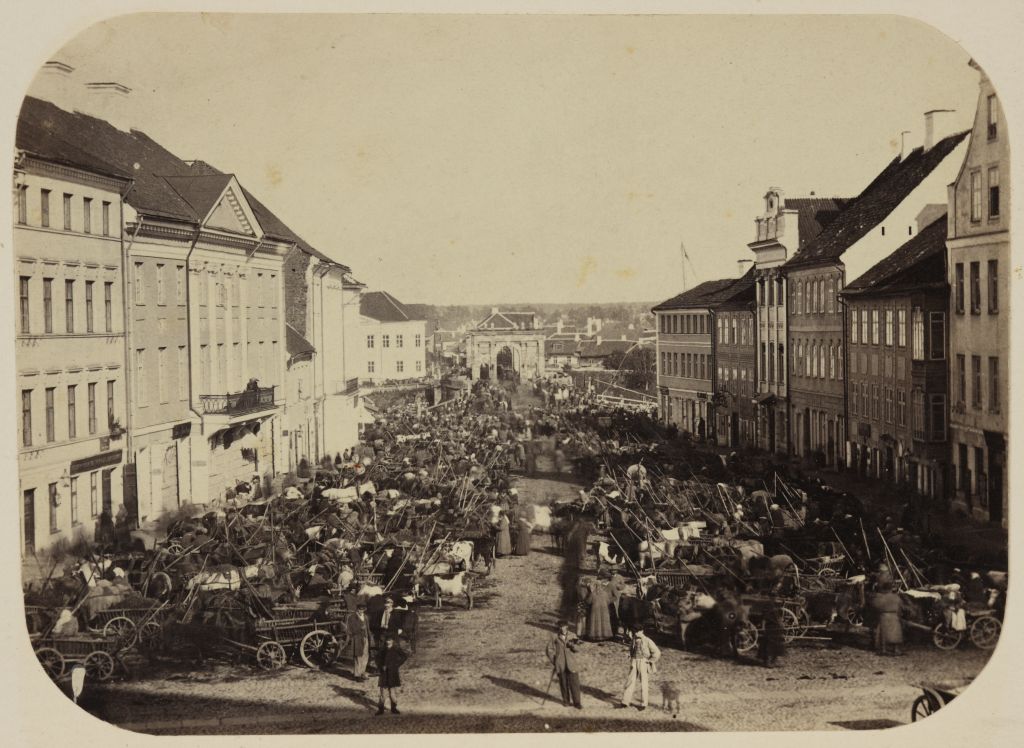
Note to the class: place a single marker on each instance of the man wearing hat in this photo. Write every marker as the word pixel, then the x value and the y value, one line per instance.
pixel 359 637
pixel 561 652
pixel 643 657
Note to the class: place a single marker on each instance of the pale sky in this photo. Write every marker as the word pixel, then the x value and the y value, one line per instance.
pixel 496 159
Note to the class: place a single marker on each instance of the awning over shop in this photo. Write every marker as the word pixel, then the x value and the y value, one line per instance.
pixel 764 398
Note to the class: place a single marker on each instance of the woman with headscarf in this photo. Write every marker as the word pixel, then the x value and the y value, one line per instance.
pixel 524 528
pixel 503 544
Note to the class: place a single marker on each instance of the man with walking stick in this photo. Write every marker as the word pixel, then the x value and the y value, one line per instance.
pixel 561 653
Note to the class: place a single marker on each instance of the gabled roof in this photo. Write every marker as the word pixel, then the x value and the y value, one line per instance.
pixel 560 347
pixel 706 295
pixel 875 203
pixel 383 307
pixel 918 264
pixel 508 321
pixel 295 343
pixel 593 349
pixel 815 213
pixel 742 293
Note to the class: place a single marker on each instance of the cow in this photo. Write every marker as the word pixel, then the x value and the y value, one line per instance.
pixel 448 585
pixel 483 550
pixel 458 553
pixel 607 555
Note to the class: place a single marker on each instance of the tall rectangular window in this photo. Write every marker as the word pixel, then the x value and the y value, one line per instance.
pixel 370 367
pixel 888 405
pixel 94 493
pixel 69 306
pixel 161 373
pixel 398 341
pixel 901 328
pixel 183 372
pixel 782 363
pixel 219 366
pixel 938 417
pixel 399 366
pixel 385 341
pixel 179 284
pixel 937 340
pixel 137 284
pixel 864 327
pixel 91 411
pixel 975 288
pixel 22 205
pixel 74 499
pixel 419 340
pixel 993 286
pixel 88 306
pixel 48 305
pixel 50 416
pixel 854 326
pixel 369 341
pixel 901 407
pixel 419 365
pixel 993 384
pixel 161 291
pixel 976 195
pixel 993 192
pixel 106 218
pixel 108 306
pixel 26 418
pixel 874 327
pixel 140 376
pixel 961 378
pixel 23 293
pixel 44 208
pixel 87 215
pixel 204 366
pixel 976 381
pixel 53 507
pixel 111 411
pixel 67 212
pixel 888 327
pixel 72 415
pixel 958 288
pixel 993 118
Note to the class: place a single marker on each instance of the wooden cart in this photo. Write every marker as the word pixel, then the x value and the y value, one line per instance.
pixel 97 654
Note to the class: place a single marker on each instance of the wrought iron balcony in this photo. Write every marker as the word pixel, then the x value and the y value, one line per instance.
pixel 237 403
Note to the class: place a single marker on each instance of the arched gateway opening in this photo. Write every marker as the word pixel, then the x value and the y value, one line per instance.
pixel 505 364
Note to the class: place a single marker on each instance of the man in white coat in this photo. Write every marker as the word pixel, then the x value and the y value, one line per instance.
pixel 643 657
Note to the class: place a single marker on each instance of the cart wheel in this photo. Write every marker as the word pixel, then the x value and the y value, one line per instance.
pixel 51 660
pixel 150 635
pixel 946 638
pixel 175 547
pixel 160 585
pixel 122 629
pixel 746 637
pixel 985 632
pixel 99 665
pixel 318 649
pixel 791 627
pixel 922 708
pixel 271 656
pixel 855 617
pixel 828 571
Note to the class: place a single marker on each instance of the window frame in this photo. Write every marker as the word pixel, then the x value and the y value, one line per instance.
pixel 994 403
pixel 86 215
pixel 992 280
pixel 72 403
pixel 975 290
pixel 25 304
pixel 976 383
pixel 975 194
pixel 940 319
pixel 993 192
pixel 44 208
pixel 89 310
pixel 50 407
pixel 26 418
pixel 67 211
pixel 108 306
pixel 90 392
pixel 69 306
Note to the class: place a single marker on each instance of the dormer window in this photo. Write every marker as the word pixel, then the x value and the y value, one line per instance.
pixel 993 118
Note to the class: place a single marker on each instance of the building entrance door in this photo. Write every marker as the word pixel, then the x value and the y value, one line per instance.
pixel 106 493
pixel 169 487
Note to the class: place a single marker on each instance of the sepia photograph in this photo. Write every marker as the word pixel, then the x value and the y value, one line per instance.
pixel 408 373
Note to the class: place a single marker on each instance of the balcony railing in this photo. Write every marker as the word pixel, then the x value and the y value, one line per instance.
pixel 237 403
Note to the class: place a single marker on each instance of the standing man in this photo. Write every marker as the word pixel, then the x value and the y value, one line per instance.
pixel 359 636
pixel 390 658
pixel 643 658
pixel 561 653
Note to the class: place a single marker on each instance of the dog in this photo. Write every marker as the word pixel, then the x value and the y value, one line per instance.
pixel 670 697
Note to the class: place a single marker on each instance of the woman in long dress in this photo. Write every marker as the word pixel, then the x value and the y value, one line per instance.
pixel 503 547
pixel 525 527
pixel 889 632
pixel 599 622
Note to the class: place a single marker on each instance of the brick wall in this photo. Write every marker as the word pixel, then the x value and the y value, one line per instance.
pixel 296 291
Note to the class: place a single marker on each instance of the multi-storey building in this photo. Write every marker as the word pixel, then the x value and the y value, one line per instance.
pixel 897 375
pixel 505 344
pixel 736 365
pixel 978 266
pixel 878 221
pixel 69 339
pixel 785 227
pixel 686 356
pixel 395 339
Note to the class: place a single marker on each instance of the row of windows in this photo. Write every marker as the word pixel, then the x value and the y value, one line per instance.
pixel 74 414
pixel 44 211
pixel 26 293
pixel 227 290
pixel 773 363
pixel 733 331
pixel 974 270
pixel 888 328
pixel 976 379
pixel 371 367
pixel 735 379
pixel 385 341
pixel 816 296
pixel 213 374
pixel 818 359
pixel 73 500
pixel 770 291
pixel 688 365
pixel 684 324
pixel 992 180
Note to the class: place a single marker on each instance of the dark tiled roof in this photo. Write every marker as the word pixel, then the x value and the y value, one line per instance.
pixel 917 264
pixel 563 347
pixel 875 203
pixel 296 343
pixel 709 293
pixel 77 139
pixel 510 321
pixel 742 293
pixel 382 306
pixel 815 213
pixel 200 191
pixel 593 349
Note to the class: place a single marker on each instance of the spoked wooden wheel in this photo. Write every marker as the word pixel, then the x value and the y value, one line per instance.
pixel 922 708
pixel 122 629
pixel 945 637
pixel 985 632
pixel 99 665
pixel 150 634
pixel 746 637
pixel 51 660
pixel 175 547
pixel 792 626
pixel 318 649
pixel 271 656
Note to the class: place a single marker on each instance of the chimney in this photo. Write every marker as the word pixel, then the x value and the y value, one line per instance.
pixel 937 125
pixel 598 340
pixel 558 327
pixel 905 147
pixel 55 83
pixel 109 101
pixel 494 310
pixel 741 267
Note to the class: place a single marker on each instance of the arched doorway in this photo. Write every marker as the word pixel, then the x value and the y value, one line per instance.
pixel 505 363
